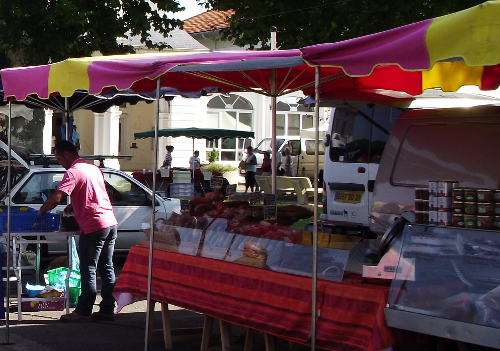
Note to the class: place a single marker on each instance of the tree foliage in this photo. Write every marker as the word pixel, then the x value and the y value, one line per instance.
pixel 302 23
pixel 34 32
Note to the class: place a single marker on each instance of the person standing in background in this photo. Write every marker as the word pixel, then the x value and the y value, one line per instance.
pixel 75 138
pixel 288 163
pixel 84 183
pixel 249 164
pixel 167 163
pixel 266 164
pixel 194 161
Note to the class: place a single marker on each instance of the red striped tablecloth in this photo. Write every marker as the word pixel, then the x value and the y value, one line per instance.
pixel 351 315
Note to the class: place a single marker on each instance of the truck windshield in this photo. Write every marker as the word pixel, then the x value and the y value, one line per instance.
pixel 354 138
pixel 265 144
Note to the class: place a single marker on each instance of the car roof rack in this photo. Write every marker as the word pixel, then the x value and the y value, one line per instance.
pixel 47 160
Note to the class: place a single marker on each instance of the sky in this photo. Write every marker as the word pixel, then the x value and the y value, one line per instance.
pixel 192 9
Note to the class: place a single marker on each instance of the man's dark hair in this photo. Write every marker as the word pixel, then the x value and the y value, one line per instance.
pixel 64 145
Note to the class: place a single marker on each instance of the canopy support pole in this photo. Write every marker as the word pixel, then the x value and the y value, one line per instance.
pixel 317 75
pixel 9 258
pixel 273 131
pixel 192 166
pixel 152 222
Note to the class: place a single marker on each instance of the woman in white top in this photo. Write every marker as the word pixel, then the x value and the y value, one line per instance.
pixel 194 161
pixel 250 165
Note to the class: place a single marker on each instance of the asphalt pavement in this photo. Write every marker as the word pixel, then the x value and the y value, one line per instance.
pixel 42 330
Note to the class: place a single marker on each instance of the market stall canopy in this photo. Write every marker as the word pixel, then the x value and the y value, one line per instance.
pixel 196 133
pixel 446 52
pixel 188 72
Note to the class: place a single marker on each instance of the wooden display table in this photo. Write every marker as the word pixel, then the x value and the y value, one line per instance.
pixel 351 314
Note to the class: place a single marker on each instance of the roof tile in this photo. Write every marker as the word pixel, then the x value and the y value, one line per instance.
pixel 208 21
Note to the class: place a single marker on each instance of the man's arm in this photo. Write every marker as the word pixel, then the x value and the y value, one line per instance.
pixel 54 200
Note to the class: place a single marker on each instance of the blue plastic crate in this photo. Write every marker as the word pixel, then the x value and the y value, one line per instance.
pixel 30 221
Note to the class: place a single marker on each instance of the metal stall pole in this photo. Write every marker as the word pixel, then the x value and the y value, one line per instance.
pixel 274 148
pixel 315 219
pixel 9 172
pixel 152 222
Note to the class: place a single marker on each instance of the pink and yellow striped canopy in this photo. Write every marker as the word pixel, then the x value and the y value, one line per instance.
pixel 446 52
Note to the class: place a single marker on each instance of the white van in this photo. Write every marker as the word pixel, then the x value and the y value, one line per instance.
pixel 302 152
pixel 458 144
pixel 354 145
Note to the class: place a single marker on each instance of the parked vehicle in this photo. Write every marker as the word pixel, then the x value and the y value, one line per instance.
pixel 302 148
pixel 372 180
pixel 354 146
pixel 443 144
pixel 131 200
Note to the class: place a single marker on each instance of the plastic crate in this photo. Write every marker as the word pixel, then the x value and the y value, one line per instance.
pixel 29 221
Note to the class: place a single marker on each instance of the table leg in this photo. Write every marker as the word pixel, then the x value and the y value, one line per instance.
pixel 151 318
pixel 270 342
pixel 167 330
pixel 250 336
pixel 225 335
pixel 208 324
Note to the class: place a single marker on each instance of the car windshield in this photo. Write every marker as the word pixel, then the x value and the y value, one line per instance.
pixel 15 176
pixel 265 144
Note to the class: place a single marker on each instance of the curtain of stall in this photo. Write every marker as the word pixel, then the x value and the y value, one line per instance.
pixel 317 74
pixel 152 222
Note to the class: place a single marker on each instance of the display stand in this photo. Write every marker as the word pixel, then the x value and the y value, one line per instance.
pixel 455 290
pixel 38 238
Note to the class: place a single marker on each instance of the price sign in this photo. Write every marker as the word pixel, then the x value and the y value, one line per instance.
pixel 231 190
pixel 254 199
pixel 184 205
pixel 270 213
pixel 216 182
pixel 269 200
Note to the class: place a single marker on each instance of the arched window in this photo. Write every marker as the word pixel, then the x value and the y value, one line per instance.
pixel 229 112
pixel 291 118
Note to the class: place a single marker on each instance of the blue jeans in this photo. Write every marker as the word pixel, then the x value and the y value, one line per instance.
pixel 96 254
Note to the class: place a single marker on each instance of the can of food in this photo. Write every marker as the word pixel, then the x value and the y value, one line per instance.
pixel 458 194
pixel 421 193
pixel 433 202
pixel 419 205
pixel 485 208
pixel 421 217
pixel 458 220
pixel 485 195
pixel 470 194
pixel 445 187
pixel 485 222
pixel 445 218
pixel 496 210
pixel 458 207
pixel 470 208
pixel 433 217
pixel 433 187
pixel 496 222
pixel 496 196
pixel 445 203
pixel 470 221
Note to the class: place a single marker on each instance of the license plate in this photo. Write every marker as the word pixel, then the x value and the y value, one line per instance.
pixel 348 197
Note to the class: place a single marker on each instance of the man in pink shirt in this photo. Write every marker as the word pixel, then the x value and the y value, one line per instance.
pixel 84 184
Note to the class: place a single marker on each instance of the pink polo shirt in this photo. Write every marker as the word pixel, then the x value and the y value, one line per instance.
pixel 84 183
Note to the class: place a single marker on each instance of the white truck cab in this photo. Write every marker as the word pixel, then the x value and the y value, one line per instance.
pixel 355 142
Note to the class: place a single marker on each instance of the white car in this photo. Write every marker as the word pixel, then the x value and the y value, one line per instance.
pixel 131 200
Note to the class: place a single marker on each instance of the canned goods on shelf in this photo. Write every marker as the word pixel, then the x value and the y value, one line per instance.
pixel 445 187
pixel 458 220
pixel 458 194
pixel 470 194
pixel 485 222
pixel 458 208
pixel 470 221
pixel 470 208
pixel 485 208
pixel 485 195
